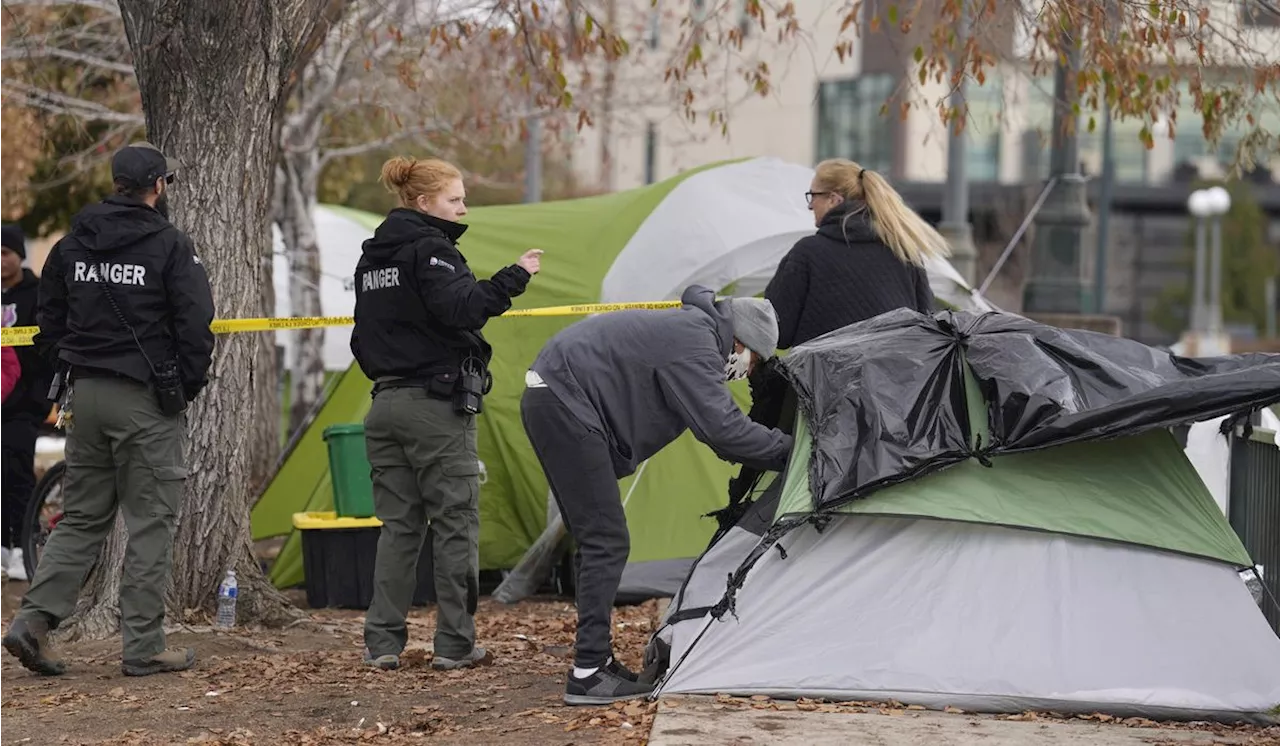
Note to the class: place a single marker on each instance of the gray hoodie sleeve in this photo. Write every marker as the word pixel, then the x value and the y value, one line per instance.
pixel 695 388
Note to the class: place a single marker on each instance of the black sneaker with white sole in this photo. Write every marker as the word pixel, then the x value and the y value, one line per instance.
pixel 612 682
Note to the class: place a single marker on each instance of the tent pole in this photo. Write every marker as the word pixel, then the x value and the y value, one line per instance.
pixel 1017 235
pixel 1265 590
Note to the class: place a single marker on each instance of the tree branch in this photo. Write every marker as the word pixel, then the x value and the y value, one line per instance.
pixel 329 16
pixel 106 6
pixel 39 52
pixel 89 157
pixel 330 68
pixel 383 142
pixel 57 103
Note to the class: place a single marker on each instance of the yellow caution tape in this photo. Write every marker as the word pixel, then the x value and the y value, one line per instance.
pixel 589 308
pixel 19 336
pixel 236 326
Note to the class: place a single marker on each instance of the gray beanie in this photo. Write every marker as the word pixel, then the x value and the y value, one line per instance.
pixel 755 325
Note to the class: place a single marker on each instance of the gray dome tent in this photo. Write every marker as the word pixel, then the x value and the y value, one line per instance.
pixel 989 513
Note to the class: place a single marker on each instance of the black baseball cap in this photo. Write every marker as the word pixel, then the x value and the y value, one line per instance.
pixel 139 164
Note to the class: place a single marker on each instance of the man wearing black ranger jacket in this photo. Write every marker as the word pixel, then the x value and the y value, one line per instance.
pixel 418 315
pixel 125 309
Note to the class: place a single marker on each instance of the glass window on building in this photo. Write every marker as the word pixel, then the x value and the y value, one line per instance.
pixel 850 124
pixel 982 130
pixel 1036 137
pixel 1129 155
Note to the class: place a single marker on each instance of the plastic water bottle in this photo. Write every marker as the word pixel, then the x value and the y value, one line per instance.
pixel 227 593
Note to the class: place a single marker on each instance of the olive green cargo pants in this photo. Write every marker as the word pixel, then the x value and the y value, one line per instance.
pixel 425 477
pixel 122 454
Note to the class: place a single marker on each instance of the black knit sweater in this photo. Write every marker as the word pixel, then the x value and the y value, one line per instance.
pixel 841 275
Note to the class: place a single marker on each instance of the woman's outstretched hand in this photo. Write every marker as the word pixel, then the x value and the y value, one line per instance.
pixel 530 261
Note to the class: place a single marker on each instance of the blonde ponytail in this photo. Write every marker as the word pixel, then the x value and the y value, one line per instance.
pixel 910 238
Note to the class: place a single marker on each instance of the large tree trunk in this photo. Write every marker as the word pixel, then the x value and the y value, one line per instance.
pixel 266 390
pixel 297 183
pixel 213 78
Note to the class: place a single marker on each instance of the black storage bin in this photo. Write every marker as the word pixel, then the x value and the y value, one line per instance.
pixel 338 562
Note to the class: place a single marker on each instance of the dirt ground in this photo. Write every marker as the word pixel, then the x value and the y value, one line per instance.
pixel 306 686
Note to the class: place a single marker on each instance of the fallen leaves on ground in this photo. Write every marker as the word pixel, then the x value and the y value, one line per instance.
pixel 308 686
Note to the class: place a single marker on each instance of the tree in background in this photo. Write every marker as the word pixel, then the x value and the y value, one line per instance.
pixel 216 81
pixel 377 86
pixel 69 101
pixel 1248 258
pixel 334 89
pixel 213 79
pixel 387 72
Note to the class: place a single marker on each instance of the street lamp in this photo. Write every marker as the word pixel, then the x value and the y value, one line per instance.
pixel 1208 205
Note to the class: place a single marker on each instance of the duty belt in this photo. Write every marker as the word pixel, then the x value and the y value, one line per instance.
pixel 89 371
pixel 398 383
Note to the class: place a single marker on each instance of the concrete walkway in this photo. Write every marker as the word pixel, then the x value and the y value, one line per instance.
pixel 704 721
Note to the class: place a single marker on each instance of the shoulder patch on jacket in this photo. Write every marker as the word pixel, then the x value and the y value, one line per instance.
pixel 436 262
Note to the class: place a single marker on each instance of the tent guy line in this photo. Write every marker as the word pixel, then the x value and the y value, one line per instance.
pixel 19 336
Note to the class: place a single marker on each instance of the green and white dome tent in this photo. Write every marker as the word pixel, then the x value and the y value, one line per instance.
pixel 763 198
pixel 731 225
pixel 715 226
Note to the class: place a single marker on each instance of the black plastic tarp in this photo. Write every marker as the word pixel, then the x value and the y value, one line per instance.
pixel 884 401
pixel 885 398
pixel 1053 386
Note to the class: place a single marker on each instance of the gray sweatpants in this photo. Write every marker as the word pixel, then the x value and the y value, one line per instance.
pixel 579 468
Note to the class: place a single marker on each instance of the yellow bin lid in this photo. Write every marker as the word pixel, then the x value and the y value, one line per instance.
pixel 330 520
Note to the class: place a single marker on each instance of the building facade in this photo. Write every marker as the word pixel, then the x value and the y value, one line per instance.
pixel 821 106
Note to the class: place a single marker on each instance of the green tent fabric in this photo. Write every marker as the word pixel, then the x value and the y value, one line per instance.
pixel 1137 490
pixel 582 238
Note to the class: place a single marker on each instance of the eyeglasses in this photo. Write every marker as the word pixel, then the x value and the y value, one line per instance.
pixel 170 177
pixel 808 197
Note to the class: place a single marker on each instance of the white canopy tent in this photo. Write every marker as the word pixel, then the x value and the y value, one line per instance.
pixel 340 236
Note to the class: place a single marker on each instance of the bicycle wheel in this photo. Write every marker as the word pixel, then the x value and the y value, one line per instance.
pixel 43 513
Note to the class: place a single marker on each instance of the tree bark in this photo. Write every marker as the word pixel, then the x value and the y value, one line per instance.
pixel 266 391
pixel 214 78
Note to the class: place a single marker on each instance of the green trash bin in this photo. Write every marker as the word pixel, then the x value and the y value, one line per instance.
pixel 349 471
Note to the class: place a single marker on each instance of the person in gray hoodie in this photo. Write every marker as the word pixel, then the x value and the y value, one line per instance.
pixel 609 392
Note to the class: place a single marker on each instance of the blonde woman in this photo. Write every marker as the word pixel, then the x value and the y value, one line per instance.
pixel 418 315
pixel 867 258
